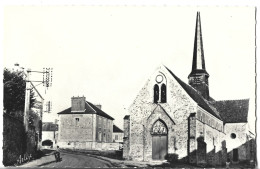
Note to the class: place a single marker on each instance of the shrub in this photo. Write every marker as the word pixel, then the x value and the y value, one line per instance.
pixel 172 158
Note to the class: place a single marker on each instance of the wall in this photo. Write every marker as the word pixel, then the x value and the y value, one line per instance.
pixel 16 142
pixel 178 106
pixel 14 139
pixel 211 129
pixel 119 137
pixel 239 129
pixel 126 139
pixel 70 130
pixel 50 135
pixel 107 146
pixel 104 126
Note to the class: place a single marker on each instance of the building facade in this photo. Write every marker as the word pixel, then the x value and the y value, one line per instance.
pixel 118 134
pixel 85 126
pixel 169 116
pixel 49 135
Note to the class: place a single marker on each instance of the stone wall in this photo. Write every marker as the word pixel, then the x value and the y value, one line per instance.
pixel 104 127
pixel 179 105
pixel 239 129
pixel 214 141
pixel 126 146
pixel 236 138
pixel 71 130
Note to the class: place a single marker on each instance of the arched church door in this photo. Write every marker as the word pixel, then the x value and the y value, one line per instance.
pixel 159 140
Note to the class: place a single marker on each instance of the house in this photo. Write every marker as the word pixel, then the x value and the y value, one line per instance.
pixel 169 116
pixel 49 134
pixel 118 135
pixel 85 126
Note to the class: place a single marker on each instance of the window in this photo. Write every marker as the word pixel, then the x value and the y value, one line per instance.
pixel 203 117
pixel 163 93
pixel 108 126
pixel 77 121
pixel 199 115
pixel 99 136
pixel 116 137
pixel 105 124
pixel 99 122
pixel 156 93
pixel 233 135
pixel 104 137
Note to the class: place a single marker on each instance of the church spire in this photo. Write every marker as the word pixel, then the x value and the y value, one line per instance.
pixel 198 78
pixel 198 53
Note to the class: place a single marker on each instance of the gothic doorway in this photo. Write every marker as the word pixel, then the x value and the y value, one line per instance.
pixel 159 140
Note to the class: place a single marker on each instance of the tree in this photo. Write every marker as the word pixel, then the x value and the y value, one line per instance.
pixel 14 92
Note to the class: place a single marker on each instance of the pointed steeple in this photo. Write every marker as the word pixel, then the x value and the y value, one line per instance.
pixel 198 78
pixel 198 64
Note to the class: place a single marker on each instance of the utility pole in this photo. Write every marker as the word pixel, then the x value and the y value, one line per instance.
pixel 47 82
pixel 27 101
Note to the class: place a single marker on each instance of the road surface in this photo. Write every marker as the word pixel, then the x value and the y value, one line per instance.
pixel 71 160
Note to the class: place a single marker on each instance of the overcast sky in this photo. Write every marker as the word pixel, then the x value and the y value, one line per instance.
pixel 107 53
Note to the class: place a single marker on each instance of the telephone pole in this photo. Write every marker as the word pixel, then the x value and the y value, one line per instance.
pixel 47 82
pixel 27 101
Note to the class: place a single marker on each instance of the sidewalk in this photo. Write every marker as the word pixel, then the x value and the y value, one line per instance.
pixel 47 158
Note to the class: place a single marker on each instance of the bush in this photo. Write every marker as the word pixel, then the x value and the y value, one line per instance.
pixel 172 158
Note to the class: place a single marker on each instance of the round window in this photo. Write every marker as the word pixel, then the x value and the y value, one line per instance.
pixel 233 135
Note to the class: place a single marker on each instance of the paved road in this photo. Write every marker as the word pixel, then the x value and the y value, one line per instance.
pixel 69 160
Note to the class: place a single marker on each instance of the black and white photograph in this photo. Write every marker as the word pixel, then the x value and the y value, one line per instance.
pixel 123 86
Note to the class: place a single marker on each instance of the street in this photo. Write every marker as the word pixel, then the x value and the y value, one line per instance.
pixel 68 160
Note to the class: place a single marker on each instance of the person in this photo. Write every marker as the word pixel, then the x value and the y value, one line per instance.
pixel 57 154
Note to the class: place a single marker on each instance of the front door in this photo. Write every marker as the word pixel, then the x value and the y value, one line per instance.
pixel 159 141
pixel 235 155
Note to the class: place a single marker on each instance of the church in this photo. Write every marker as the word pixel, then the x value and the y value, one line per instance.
pixel 169 116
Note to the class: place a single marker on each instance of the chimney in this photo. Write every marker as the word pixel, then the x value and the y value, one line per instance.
pixel 98 106
pixel 78 104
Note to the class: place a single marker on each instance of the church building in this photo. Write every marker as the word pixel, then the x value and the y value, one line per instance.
pixel 169 116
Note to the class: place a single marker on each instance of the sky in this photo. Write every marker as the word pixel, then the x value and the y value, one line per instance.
pixel 106 53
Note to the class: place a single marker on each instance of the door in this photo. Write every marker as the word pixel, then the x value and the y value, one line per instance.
pixel 159 141
pixel 235 154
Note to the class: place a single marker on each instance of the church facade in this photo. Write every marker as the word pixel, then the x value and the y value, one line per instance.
pixel 169 116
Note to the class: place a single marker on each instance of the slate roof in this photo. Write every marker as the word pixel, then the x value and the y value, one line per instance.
pixel 100 112
pixel 232 111
pixel 49 126
pixel 117 129
pixel 127 117
pixel 196 96
pixel 90 109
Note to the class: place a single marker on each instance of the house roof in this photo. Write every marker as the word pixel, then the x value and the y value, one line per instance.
pixel 99 111
pixel 196 96
pixel 127 117
pixel 117 129
pixel 49 126
pixel 232 111
pixel 89 109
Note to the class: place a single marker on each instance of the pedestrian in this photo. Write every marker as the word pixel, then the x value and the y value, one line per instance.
pixel 57 154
